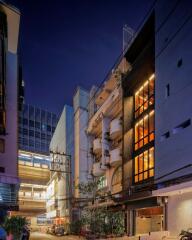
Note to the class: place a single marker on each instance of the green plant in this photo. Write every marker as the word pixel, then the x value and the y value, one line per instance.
pixel 14 225
pixel 76 227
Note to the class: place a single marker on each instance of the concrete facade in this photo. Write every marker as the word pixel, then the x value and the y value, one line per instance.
pixel 173 71
pixel 9 105
pixel 81 168
pixel 59 191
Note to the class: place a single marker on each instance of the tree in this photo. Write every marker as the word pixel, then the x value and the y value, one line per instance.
pixel 100 220
pixel 14 225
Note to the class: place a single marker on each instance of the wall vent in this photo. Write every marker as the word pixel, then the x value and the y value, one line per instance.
pixel 181 126
pixel 165 136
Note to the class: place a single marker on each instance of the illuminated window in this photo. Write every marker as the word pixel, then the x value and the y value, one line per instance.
pixel 144 97
pixel 102 182
pixel 144 130
pixel 144 165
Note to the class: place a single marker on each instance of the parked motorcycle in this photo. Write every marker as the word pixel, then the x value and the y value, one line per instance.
pixel 186 235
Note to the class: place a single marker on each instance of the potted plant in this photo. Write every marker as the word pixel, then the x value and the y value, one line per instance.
pixel 14 225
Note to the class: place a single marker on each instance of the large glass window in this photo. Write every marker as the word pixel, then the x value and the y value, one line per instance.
pixel 144 97
pixel 144 165
pixel 144 130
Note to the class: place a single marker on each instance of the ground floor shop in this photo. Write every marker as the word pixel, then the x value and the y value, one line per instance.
pixel 144 216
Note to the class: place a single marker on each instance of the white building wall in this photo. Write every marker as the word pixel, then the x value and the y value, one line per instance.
pixel 170 111
pixel 80 103
pixel 179 213
pixel 62 143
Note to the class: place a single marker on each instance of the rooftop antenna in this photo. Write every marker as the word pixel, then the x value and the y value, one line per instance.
pixel 128 34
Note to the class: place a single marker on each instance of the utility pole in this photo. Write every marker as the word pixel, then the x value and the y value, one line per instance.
pixel 63 166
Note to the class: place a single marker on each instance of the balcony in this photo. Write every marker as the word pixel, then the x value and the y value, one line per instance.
pixel 110 107
pixel 115 157
pixel 97 169
pixel 97 146
pixel 115 128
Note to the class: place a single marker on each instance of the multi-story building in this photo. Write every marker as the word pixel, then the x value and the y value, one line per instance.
pixel 157 124
pixel 105 134
pixel 34 174
pixel 9 30
pixel 173 113
pixel 143 211
pixel 59 190
pixel 80 105
pixel 36 127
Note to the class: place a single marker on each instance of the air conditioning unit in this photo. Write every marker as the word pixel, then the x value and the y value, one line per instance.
pixel 106 153
pixel 107 136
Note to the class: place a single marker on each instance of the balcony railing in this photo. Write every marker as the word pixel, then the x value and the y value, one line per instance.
pixel 115 157
pixel 106 108
pixel 97 146
pixel 115 128
pixel 98 170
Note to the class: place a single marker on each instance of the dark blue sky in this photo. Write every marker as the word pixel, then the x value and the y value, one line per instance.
pixel 66 43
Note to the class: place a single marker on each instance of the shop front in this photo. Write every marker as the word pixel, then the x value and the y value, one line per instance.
pixel 144 216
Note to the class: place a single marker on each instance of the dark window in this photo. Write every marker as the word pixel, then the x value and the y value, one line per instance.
pixel 49 137
pixel 20 140
pixel 25 141
pixel 37 144
pixel 2 169
pixel 31 143
pixel 37 125
pixel 37 134
pixel 31 123
pixel 25 131
pixel 43 136
pixel 167 91
pixel 165 136
pixel 179 63
pixel 2 145
pixel 31 133
pixel 25 121
pixel 20 130
pixel 48 128
pixel 181 126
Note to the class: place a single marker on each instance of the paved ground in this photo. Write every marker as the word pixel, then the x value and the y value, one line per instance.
pixel 42 236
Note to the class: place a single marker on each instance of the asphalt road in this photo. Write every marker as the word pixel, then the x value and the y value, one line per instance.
pixel 42 236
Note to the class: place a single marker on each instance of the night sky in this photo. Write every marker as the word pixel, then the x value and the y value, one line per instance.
pixel 70 43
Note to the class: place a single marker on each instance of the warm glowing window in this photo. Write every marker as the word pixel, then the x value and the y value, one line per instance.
pixel 144 130
pixel 144 97
pixel 144 165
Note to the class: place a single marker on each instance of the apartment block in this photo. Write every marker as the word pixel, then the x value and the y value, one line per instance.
pixel 9 30
pixel 60 187
pixel 104 133
pixel 36 127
